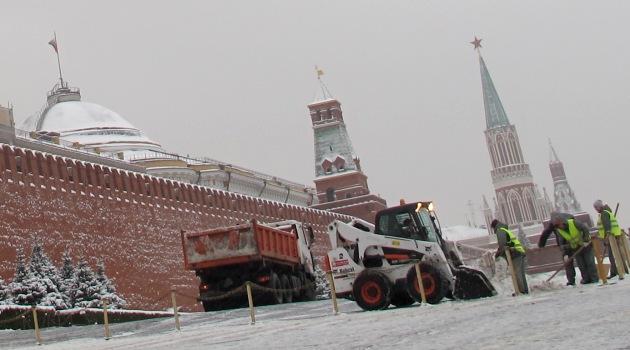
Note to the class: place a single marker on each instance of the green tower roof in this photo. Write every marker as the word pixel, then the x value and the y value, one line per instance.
pixel 495 114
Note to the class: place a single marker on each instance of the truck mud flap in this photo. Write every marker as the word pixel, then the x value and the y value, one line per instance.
pixel 471 284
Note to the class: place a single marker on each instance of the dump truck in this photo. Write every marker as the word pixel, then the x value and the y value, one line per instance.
pixel 375 264
pixel 273 255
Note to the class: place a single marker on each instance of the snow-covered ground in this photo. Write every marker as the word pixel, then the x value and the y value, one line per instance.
pixel 552 316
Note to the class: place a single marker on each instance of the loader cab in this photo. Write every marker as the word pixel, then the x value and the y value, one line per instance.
pixel 414 220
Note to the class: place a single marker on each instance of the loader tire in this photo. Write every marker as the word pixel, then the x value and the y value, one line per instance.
pixel 434 283
pixel 372 291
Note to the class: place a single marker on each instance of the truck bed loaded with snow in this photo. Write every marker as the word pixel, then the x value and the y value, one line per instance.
pixel 275 256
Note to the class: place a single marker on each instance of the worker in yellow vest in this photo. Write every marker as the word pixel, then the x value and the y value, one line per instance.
pixel 506 239
pixel 565 249
pixel 576 235
pixel 608 228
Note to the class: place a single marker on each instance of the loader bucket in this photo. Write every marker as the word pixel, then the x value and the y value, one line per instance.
pixel 471 284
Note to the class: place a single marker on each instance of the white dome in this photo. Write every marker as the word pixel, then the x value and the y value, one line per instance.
pixel 91 125
pixel 78 115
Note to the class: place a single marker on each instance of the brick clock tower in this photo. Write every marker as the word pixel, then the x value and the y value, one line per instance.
pixel 340 183
pixel 518 201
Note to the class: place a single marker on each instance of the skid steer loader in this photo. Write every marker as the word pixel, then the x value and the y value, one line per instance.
pixel 375 264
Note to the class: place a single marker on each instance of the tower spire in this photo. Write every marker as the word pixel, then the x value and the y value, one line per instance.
pixel 325 94
pixel 495 114
pixel 553 157
pixel 518 200
pixel 564 198
pixel 341 185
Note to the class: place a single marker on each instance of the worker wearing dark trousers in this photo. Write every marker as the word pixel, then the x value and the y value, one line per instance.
pixel 569 268
pixel 577 236
pixel 506 239
pixel 608 228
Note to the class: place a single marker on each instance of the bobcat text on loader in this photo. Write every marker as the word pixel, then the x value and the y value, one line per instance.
pixel 374 264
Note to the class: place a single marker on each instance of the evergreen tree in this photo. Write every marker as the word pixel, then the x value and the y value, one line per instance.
pixel 4 292
pixel 107 288
pixel 45 272
pixel 87 291
pixel 67 279
pixel 25 288
pixel 322 287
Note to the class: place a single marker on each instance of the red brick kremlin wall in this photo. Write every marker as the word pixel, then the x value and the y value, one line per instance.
pixel 131 221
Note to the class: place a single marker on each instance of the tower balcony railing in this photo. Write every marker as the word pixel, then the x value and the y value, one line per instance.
pixel 510 171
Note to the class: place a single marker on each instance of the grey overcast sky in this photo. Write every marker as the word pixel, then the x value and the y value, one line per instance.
pixel 231 80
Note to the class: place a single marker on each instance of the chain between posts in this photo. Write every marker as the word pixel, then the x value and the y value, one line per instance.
pixel 15 318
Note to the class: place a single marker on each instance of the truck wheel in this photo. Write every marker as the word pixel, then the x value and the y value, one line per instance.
pixel 275 296
pixel 287 294
pixel 434 283
pixel 297 288
pixel 372 291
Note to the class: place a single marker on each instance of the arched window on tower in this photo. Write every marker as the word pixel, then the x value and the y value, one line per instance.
pixel 530 205
pixel 501 149
pixel 514 201
pixel 340 163
pixel 492 146
pixel 330 194
pixel 327 166
pixel 511 149
pixel 504 211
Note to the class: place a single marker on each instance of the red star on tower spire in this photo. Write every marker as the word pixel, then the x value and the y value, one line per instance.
pixel 476 43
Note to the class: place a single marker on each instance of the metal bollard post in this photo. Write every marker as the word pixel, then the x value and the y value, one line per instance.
pixel 333 292
pixel 626 248
pixel 512 272
pixel 423 296
pixel 38 339
pixel 106 319
pixel 599 259
pixel 175 314
pixel 252 314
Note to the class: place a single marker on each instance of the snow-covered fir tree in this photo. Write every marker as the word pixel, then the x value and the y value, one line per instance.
pixel 88 289
pixel 322 287
pixel 67 278
pixel 25 288
pixel 107 288
pixel 45 272
pixel 4 292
